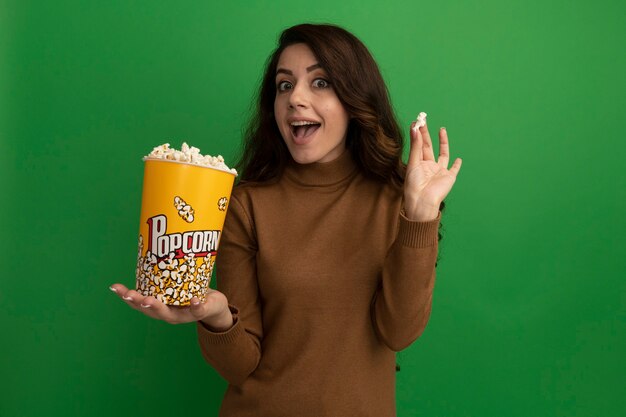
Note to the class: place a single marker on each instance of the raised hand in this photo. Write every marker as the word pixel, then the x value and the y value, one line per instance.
pixel 427 181
pixel 214 311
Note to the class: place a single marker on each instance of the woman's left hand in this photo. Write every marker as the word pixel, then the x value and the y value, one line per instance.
pixel 427 181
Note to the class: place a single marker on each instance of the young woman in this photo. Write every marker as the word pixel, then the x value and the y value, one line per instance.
pixel 327 259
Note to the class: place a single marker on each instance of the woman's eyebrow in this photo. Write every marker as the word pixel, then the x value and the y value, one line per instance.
pixel 289 72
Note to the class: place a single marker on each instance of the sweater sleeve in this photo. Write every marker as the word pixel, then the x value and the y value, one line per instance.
pixel 236 352
pixel 402 304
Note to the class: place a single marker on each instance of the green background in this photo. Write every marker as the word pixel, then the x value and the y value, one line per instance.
pixel 529 314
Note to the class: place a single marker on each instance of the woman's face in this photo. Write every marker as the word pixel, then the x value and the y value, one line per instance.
pixel 309 115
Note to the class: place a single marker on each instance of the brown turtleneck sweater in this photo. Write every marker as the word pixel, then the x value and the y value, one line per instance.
pixel 326 281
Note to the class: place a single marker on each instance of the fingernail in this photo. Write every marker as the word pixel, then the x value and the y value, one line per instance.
pixel 197 303
pixel 442 128
pixel 112 289
pixel 146 306
pixel 128 298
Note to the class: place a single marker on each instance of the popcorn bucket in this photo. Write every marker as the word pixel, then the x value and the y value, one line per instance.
pixel 183 208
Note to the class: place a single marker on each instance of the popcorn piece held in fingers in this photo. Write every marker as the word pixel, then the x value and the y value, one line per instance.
pixel 421 121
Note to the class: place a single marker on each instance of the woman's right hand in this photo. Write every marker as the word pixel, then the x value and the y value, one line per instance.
pixel 213 312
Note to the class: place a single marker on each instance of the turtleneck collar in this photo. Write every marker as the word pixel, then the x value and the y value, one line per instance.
pixel 322 173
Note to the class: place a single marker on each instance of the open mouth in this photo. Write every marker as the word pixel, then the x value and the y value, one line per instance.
pixel 303 131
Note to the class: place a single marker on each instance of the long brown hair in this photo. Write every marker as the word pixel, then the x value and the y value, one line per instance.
pixel 374 136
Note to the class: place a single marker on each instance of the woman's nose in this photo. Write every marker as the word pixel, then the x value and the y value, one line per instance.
pixel 299 97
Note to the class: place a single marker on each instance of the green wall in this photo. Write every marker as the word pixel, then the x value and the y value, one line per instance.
pixel 529 314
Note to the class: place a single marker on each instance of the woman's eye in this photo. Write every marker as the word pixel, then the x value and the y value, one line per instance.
pixel 283 85
pixel 321 83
